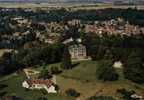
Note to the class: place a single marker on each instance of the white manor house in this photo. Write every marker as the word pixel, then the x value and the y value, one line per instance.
pixel 78 51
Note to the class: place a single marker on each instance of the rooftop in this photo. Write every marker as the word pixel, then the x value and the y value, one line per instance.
pixel 46 82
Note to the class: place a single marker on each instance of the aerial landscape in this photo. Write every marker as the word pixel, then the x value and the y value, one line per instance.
pixel 71 49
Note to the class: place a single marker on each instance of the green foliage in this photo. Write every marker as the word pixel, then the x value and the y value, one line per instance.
pixel 134 68
pixel 45 74
pixel 126 95
pixel 113 47
pixel 10 62
pixel 55 70
pixel 39 55
pixel 106 72
pixel 66 59
pixel 72 92
pixel 108 55
pixel 101 52
pixel 2 86
pixel 3 93
pixel 8 65
pixel 44 92
pixel 57 88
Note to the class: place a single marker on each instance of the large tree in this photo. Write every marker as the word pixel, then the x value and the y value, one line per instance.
pixel 66 59
pixel 134 68
pixel 45 74
pixel 106 71
pixel 8 65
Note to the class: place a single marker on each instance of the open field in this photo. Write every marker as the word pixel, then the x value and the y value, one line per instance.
pixel 83 79
pixel 73 6
pixel 55 5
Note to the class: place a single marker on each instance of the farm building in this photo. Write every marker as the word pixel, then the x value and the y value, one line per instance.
pixel 40 84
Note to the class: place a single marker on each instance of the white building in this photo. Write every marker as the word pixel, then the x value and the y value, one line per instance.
pixel 118 64
pixel 78 51
pixel 40 84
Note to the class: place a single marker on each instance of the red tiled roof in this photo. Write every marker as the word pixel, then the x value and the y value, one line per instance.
pixel 46 82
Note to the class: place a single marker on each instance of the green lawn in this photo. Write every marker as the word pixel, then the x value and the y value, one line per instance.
pixel 85 70
pixel 83 78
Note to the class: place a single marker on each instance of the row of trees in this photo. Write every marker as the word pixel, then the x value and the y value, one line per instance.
pixel 134 67
pixel 118 46
pixel 34 56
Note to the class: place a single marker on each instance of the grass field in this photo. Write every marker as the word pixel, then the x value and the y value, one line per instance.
pixel 73 6
pixel 81 78
pixel 55 5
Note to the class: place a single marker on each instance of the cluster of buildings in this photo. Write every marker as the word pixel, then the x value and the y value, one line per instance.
pixel 33 83
pixel 53 30
pixel 114 27
pixel 10 41
pixel 21 21
pixel 25 27
pixel 48 37
pixel 51 34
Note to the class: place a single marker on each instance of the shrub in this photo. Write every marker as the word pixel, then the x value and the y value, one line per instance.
pixel 55 70
pixel 72 92
pixel 126 95
pixel 57 87
pixel 45 74
pixel 44 92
